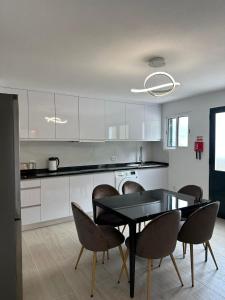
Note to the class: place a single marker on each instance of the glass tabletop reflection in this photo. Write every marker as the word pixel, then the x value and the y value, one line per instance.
pixel 144 205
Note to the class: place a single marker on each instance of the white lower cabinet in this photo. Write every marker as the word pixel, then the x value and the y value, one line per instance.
pixel 81 187
pixel 30 215
pixel 50 198
pixel 30 201
pixel 151 179
pixel 54 198
pixel 104 178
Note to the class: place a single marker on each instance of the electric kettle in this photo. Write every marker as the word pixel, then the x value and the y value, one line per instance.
pixel 53 163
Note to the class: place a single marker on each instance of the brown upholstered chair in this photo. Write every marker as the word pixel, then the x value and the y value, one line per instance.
pixel 198 229
pixel 130 187
pixel 95 238
pixel 101 216
pixel 194 191
pixel 158 239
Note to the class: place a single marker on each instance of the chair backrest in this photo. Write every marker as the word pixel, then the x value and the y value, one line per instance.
pixel 90 236
pixel 130 187
pixel 158 239
pixel 102 191
pixel 198 228
pixel 192 190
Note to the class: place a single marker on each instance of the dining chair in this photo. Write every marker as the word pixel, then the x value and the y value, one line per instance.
pixel 196 192
pixel 158 239
pixel 96 239
pixel 198 229
pixel 130 187
pixel 101 216
pixel 192 190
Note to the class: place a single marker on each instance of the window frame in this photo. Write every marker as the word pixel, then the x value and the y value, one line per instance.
pixel 177 117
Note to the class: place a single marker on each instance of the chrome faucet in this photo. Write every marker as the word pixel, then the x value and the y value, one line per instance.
pixel 141 155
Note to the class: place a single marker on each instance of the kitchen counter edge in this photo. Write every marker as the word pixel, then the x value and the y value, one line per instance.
pixel 87 169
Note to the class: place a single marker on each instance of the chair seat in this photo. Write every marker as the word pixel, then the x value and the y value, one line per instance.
pixel 113 236
pixel 109 219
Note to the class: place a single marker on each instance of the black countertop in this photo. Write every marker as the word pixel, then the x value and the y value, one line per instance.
pixel 42 173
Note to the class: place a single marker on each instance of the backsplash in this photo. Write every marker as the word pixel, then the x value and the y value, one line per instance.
pixel 75 154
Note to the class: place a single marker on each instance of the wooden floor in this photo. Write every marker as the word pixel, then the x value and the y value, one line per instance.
pixel 48 270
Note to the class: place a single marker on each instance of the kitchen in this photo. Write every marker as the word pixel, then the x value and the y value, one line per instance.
pixel 85 121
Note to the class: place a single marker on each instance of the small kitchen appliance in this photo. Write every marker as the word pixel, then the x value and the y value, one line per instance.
pixel 53 163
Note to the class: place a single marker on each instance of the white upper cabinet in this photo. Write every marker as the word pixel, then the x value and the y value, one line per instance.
pixel 23 109
pixel 153 122
pixel 115 120
pixel 135 122
pixel 41 115
pixel 92 119
pixel 67 124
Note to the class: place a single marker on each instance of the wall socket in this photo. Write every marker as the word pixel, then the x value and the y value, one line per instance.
pixel 113 158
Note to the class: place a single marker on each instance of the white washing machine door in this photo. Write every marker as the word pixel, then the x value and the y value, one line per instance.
pixel 124 179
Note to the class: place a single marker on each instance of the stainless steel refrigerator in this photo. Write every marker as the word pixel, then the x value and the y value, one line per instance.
pixel 10 217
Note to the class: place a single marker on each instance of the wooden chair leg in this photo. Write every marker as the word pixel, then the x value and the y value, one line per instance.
pixel 79 256
pixel 192 264
pixel 160 262
pixel 93 273
pixel 149 270
pixel 211 252
pixel 176 268
pixel 123 228
pixel 123 266
pixel 103 257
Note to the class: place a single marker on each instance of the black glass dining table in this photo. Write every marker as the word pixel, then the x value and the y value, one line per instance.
pixel 143 206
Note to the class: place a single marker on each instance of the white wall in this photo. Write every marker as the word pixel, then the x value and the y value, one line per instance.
pixel 184 168
pixel 74 154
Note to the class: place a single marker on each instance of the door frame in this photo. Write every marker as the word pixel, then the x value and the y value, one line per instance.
pixel 212 172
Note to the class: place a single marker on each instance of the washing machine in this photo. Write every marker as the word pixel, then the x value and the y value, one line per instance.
pixel 122 176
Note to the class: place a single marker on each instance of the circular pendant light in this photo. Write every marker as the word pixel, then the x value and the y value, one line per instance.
pixel 162 89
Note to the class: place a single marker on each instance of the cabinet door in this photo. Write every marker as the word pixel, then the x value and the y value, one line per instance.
pixel 104 178
pixel 153 122
pixel 115 120
pixel 30 197
pixel 81 187
pixel 30 215
pixel 54 198
pixel 151 179
pixel 41 115
pixel 23 109
pixel 92 121
pixel 135 122
pixel 66 117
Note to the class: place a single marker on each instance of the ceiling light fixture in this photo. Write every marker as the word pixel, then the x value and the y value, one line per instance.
pixel 162 89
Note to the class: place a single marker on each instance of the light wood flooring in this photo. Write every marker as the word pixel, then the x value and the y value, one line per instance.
pixel 48 270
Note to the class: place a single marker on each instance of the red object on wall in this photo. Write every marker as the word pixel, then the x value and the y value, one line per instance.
pixel 199 146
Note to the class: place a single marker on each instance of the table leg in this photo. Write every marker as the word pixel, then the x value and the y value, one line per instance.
pixel 132 229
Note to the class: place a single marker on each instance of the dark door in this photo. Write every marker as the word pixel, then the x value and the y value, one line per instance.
pixel 217 158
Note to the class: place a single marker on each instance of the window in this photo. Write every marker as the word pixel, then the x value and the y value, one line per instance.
pixel 172 133
pixel 177 132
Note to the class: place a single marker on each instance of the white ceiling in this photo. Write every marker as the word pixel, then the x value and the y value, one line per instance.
pixel 98 48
